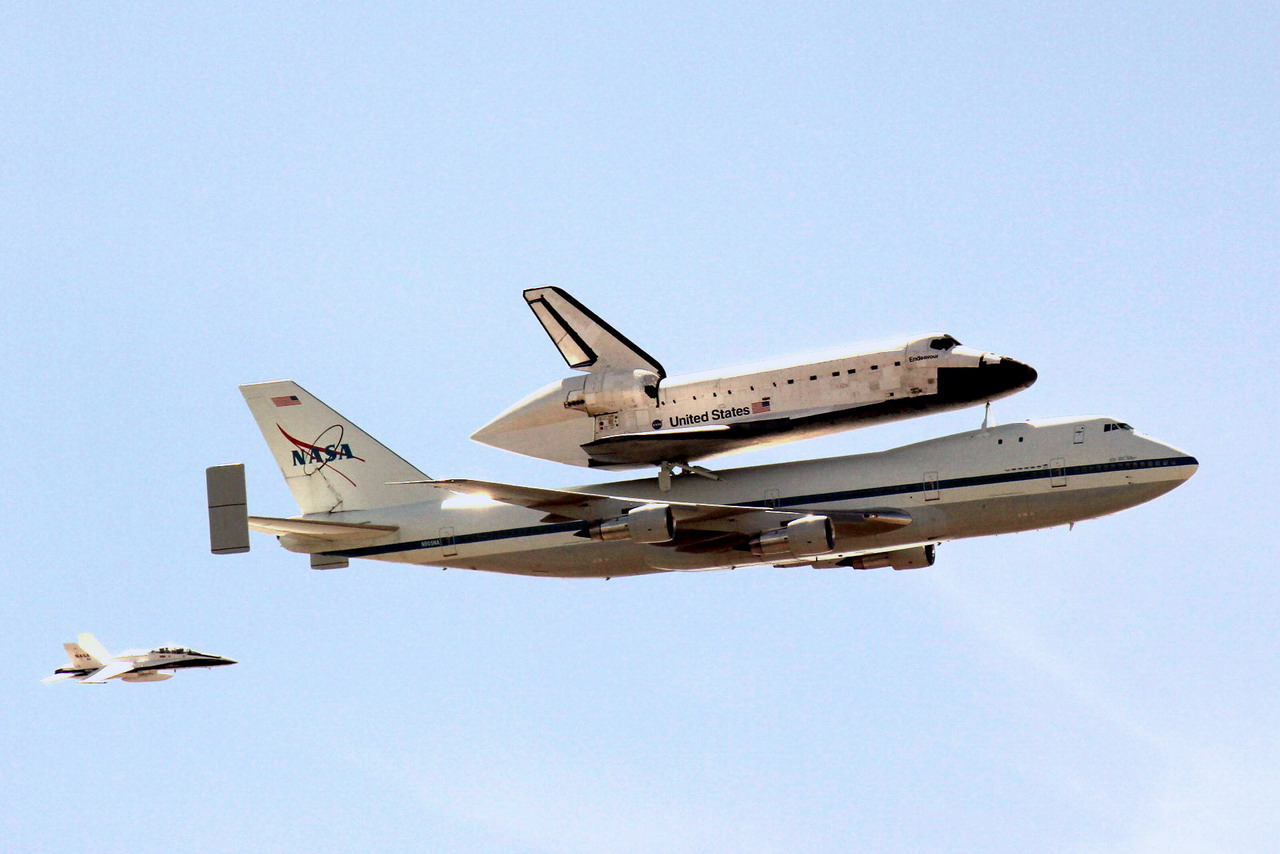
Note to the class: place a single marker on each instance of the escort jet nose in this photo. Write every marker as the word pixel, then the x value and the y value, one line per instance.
pixel 626 413
pixel 90 663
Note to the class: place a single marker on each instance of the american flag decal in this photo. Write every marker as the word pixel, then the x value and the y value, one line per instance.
pixel 760 406
pixel 291 400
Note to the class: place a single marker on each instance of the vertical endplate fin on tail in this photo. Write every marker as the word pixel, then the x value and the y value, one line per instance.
pixel 228 509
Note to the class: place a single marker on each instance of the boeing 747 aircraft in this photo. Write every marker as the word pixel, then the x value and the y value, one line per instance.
pixel 91 664
pixel 626 412
pixel 361 500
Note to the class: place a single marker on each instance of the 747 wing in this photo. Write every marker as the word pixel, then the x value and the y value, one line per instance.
pixel 685 526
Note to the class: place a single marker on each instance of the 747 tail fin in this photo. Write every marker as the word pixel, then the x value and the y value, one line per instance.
pixel 329 463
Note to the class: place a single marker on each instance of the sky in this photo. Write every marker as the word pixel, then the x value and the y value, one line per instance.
pixel 196 196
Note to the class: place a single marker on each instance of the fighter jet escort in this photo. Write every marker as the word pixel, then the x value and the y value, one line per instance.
pixel 359 499
pixel 91 664
pixel 626 413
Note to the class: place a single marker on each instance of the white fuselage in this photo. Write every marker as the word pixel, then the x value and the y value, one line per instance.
pixel 630 419
pixel 1009 478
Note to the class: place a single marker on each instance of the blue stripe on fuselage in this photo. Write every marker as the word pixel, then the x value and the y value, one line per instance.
pixel 794 501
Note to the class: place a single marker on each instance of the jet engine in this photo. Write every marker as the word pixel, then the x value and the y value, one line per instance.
pixel 808 536
pixel 913 558
pixel 147 676
pixel 612 391
pixel 650 523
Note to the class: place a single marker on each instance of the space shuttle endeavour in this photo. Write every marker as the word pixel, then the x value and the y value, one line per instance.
pixel 623 411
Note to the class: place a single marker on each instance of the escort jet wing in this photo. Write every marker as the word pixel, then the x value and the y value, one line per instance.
pixel 90 663
pixel 626 412
pixel 361 500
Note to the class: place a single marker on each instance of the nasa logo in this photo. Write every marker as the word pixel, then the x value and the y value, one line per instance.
pixel 657 425
pixel 321 453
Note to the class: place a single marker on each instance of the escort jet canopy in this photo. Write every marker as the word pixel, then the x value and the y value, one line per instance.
pixel 627 413
pixel 91 664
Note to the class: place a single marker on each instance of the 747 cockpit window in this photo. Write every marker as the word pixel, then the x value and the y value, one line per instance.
pixel 1116 425
pixel 946 342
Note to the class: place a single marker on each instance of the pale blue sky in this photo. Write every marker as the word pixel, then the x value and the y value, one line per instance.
pixel 197 196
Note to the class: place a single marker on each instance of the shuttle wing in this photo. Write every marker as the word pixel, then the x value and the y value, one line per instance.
pixel 585 341
pixel 712 518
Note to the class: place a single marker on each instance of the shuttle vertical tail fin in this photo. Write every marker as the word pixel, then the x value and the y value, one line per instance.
pixel 585 341
pixel 329 463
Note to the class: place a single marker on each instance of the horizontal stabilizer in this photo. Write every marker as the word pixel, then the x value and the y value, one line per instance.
pixel 318 530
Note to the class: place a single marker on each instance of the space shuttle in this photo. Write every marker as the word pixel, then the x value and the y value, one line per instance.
pixel 622 411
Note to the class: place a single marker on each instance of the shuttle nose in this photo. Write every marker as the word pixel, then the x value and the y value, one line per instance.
pixel 1005 375
pixel 995 377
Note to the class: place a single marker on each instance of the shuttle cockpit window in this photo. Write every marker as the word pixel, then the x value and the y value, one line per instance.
pixel 946 342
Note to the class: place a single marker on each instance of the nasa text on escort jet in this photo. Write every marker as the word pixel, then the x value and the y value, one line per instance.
pixel 889 509
pixel 625 413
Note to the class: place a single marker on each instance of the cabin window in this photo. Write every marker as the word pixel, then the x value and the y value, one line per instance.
pixel 835 373
pixel 875 367
pixel 791 382
pixel 812 378
pixel 852 371
pixel 897 364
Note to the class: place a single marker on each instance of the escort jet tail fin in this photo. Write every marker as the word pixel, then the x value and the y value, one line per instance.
pixel 89 644
pixel 585 341
pixel 81 659
pixel 329 463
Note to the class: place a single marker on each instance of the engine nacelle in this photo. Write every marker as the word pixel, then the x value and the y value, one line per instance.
pixel 808 536
pixel 613 391
pixel 914 558
pixel 146 676
pixel 650 523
